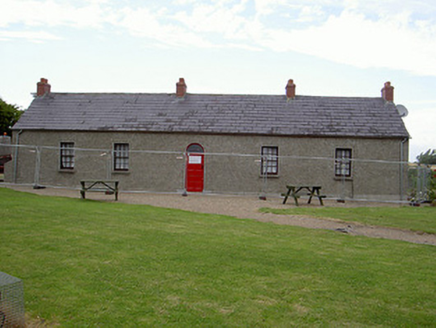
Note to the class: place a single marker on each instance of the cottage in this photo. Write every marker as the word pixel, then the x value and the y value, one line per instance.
pixel 351 146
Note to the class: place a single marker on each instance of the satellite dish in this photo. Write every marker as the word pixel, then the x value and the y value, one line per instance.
pixel 402 110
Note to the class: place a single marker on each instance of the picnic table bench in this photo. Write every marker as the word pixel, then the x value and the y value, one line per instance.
pixel 295 192
pixel 109 187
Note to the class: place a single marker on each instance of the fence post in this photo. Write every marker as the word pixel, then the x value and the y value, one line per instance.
pixel 185 159
pixel 264 166
pixel 109 164
pixel 37 167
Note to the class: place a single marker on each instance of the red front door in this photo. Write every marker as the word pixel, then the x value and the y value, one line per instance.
pixel 195 168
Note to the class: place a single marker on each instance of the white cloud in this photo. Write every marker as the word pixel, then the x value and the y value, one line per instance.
pixel 268 7
pixel 355 40
pixel 310 14
pixel 33 36
pixel 225 21
pixel 49 13
pixel 184 2
pixel 391 7
pixel 144 23
pixel 359 33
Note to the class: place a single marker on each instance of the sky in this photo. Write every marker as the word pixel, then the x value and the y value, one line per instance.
pixel 329 48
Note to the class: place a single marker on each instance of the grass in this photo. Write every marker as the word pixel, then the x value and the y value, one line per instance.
pixel 409 218
pixel 91 264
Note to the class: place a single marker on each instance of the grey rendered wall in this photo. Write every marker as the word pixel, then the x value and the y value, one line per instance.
pixel 224 174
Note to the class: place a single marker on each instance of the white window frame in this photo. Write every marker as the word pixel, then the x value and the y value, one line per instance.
pixel 121 157
pixel 270 160
pixel 343 158
pixel 67 156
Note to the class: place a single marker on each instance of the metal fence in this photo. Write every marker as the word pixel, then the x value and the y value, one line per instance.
pixel 11 302
pixel 422 182
pixel 151 170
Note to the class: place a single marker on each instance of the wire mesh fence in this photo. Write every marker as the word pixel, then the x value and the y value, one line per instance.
pixel 422 179
pixel 145 170
pixel 11 302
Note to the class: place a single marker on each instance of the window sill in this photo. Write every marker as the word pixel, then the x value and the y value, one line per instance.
pixel 275 176
pixel 120 172
pixel 341 179
pixel 66 171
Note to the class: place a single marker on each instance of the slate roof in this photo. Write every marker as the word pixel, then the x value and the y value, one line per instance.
pixel 215 114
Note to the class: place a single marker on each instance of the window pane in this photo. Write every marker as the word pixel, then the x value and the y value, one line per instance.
pixel 195 148
pixel 121 157
pixel 343 162
pixel 270 163
pixel 67 155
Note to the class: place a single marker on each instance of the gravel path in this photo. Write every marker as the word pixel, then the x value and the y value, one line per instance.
pixel 247 207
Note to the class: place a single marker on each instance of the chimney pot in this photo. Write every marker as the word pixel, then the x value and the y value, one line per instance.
pixel 388 92
pixel 42 87
pixel 181 88
pixel 290 89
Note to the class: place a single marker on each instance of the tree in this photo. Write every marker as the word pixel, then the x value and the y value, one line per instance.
pixel 9 115
pixel 429 157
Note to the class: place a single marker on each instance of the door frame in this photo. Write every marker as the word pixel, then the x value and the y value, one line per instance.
pixel 199 152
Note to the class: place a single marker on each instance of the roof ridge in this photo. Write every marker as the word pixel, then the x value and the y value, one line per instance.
pixel 212 94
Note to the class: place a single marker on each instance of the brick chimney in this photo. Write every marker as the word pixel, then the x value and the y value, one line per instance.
pixel 290 89
pixel 181 88
pixel 388 92
pixel 42 87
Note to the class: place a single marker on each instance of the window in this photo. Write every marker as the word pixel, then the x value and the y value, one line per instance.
pixel 270 161
pixel 343 162
pixel 121 157
pixel 67 155
pixel 195 148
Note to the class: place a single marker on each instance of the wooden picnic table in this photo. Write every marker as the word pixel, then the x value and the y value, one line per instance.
pixel 295 192
pixel 110 187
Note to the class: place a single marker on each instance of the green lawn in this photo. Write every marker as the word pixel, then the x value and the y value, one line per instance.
pixel 406 217
pixel 92 264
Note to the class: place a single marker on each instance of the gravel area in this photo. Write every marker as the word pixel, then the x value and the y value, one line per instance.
pixel 247 207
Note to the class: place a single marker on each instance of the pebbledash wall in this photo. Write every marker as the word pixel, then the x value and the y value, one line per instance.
pixel 376 171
